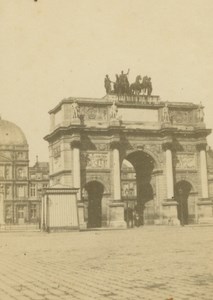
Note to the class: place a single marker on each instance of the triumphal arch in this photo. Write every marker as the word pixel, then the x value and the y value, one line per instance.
pixel 132 157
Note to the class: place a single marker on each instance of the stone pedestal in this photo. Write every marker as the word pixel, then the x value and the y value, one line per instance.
pixel 114 123
pixel 170 212
pixel 76 121
pixel 205 211
pixel 116 218
pixel 82 223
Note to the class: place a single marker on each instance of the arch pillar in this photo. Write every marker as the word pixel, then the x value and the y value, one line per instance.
pixel 170 215
pixel 76 176
pixel 205 205
pixel 116 207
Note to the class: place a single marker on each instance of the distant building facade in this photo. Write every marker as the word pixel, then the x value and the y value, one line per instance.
pixel 38 181
pixel 132 151
pixel 17 179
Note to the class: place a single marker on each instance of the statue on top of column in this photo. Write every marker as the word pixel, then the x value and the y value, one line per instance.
pixel 200 113
pixel 114 111
pixel 75 110
pixel 165 114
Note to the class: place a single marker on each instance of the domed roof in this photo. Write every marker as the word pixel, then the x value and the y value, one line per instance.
pixel 11 134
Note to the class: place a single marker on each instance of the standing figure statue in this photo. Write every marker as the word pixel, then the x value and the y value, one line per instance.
pixel 165 114
pixel 113 111
pixel 107 84
pixel 200 113
pixel 124 82
pixel 75 110
pixel 149 87
pixel 117 85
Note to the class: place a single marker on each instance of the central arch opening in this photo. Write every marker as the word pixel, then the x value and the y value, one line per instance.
pixel 94 191
pixel 137 188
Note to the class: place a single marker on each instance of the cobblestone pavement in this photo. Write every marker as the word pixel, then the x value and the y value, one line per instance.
pixel 144 263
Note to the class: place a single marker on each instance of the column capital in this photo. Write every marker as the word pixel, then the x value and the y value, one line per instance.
pixel 115 142
pixel 115 145
pixel 201 146
pixel 167 146
pixel 75 141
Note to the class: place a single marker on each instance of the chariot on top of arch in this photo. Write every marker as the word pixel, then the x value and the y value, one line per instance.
pixel 121 85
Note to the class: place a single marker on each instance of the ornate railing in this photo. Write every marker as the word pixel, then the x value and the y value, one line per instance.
pixel 137 99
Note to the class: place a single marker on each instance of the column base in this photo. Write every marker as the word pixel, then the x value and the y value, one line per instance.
pixel 82 223
pixel 205 211
pixel 117 215
pixel 117 224
pixel 170 212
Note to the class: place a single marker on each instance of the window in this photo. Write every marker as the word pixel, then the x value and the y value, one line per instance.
pixel 8 213
pixel 20 173
pixel 33 211
pixel 21 191
pixel 32 190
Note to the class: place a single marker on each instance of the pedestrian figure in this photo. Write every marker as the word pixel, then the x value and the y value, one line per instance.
pixel 128 217
pixel 137 219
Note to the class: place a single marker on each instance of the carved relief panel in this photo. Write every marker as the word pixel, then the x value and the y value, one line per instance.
pixel 94 160
pixel 178 117
pixel 94 113
pixel 185 161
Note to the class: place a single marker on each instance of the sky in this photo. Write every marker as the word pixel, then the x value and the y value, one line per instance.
pixel 55 49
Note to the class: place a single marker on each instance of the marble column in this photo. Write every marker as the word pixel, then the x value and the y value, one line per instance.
pixel 116 218
pixel 203 170
pixel 169 171
pixel 170 205
pixel 76 175
pixel 205 205
pixel 116 174
pixel 76 170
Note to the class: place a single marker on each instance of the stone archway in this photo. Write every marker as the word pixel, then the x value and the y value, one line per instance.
pixel 95 192
pixel 142 196
pixel 182 191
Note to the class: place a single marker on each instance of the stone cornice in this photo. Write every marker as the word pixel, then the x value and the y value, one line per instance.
pixel 163 132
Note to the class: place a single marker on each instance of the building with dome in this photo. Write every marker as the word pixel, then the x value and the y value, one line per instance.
pixel 18 204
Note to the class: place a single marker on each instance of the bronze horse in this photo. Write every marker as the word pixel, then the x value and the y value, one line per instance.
pixel 145 86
